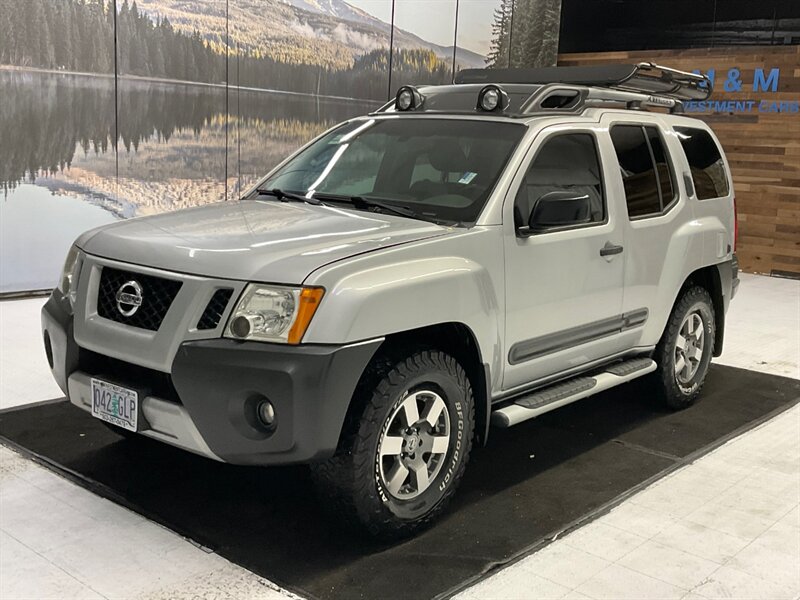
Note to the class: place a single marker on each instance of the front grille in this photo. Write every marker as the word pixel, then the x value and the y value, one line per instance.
pixel 215 308
pixel 157 296
pixel 142 379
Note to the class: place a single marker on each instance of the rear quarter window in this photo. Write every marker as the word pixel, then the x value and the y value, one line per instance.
pixel 705 163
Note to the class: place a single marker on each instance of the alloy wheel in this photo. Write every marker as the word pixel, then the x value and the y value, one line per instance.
pixel 413 446
pixel 689 347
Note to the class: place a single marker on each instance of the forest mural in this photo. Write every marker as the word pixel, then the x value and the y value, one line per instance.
pixel 119 108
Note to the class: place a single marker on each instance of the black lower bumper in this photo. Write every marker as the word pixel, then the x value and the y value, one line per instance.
pixel 221 382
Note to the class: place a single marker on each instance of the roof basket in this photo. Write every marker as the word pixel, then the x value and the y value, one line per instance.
pixel 642 78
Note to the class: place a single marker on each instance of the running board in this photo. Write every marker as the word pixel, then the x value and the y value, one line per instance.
pixel 550 398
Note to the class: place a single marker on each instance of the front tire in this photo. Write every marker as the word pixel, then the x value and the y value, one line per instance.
pixel 403 458
pixel 684 352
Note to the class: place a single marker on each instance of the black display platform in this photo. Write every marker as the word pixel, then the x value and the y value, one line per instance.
pixel 532 481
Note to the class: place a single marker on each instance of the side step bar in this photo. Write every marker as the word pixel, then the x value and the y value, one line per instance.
pixel 550 398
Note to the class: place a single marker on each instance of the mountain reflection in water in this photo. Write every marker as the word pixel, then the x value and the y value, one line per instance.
pixel 176 145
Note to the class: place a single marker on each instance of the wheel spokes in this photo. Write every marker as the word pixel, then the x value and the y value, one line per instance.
pixel 439 444
pixel 414 443
pixel 680 363
pixel 396 477
pixel 392 445
pixel 410 410
pixel 698 333
pixel 419 473
pixel 687 370
pixel 681 342
pixel 691 325
pixel 434 411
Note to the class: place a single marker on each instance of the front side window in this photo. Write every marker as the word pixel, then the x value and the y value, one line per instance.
pixel 565 163
pixel 441 169
pixel 705 162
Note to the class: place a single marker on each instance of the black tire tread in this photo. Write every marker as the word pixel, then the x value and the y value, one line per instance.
pixel 668 390
pixel 342 479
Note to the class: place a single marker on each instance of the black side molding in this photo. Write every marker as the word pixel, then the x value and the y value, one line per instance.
pixel 547 344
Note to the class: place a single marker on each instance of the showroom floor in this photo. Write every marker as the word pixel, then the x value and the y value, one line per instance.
pixel 726 526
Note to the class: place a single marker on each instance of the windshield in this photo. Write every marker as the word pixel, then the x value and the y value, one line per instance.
pixel 441 169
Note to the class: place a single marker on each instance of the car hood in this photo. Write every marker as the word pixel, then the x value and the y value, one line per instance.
pixel 253 240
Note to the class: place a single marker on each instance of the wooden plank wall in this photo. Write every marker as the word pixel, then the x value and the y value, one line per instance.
pixel 763 148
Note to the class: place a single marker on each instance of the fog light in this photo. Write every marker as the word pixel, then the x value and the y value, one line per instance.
pixel 266 414
pixel 492 98
pixel 408 98
pixel 405 99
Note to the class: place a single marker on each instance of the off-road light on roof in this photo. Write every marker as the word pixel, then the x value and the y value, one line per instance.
pixel 492 98
pixel 408 98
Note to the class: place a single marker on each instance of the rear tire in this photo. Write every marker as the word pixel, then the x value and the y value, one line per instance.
pixel 685 349
pixel 407 447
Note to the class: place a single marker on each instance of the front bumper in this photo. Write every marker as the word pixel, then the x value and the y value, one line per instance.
pixel 207 403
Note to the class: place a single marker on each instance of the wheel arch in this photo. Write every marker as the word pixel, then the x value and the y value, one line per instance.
pixel 454 338
pixel 709 279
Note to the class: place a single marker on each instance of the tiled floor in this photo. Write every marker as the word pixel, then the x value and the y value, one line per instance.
pixel 727 526
pixel 24 374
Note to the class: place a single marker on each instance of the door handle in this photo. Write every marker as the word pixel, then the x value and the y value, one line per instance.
pixel 610 249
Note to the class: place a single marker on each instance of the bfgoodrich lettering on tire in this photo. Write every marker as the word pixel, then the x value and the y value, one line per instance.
pixel 408 446
pixel 685 349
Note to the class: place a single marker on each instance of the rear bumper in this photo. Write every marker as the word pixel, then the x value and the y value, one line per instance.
pixel 207 403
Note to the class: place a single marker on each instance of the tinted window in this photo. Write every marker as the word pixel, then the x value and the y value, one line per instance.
pixel 663 170
pixel 636 167
pixel 564 163
pixel 442 169
pixel 708 170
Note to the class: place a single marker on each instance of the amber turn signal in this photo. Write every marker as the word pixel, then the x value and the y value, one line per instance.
pixel 309 302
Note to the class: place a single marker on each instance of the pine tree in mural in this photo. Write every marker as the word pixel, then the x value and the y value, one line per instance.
pixel 501 35
pixel 525 33
pixel 78 36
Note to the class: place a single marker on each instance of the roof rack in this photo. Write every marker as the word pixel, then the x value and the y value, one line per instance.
pixel 634 85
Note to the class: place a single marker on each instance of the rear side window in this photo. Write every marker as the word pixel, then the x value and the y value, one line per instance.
pixel 645 170
pixel 663 171
pixel 705 162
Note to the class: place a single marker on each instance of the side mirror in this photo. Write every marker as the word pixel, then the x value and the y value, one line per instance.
pixel 560 209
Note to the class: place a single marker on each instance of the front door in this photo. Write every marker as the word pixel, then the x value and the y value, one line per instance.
pixel 564 283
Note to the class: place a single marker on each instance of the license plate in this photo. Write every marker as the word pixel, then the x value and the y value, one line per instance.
pixel 115 404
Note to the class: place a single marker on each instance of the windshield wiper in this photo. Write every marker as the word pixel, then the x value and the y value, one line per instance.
pixel 365 202
pixel 287 196
pixel 358 201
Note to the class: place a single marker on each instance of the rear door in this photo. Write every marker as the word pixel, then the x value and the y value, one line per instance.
pixel 564 285
pixel 654 213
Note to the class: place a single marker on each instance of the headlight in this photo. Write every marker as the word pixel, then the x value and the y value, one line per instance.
pixel 68 284
pixel 273 314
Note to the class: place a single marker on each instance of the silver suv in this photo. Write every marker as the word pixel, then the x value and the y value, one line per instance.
pixel 469 255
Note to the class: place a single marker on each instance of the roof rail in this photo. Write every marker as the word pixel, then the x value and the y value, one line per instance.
pixel 559 98
pixel 648 80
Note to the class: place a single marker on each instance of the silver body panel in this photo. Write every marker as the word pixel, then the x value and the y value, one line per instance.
pixel 385 274
pixel 256 240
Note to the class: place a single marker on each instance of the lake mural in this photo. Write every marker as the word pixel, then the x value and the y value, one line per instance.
pixel 202 97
